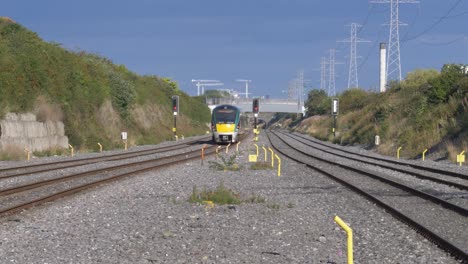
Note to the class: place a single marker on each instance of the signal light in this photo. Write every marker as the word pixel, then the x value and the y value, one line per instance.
pixel 175 104
pixel 255 105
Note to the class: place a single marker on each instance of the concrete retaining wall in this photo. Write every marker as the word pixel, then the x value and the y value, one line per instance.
pixel 23 130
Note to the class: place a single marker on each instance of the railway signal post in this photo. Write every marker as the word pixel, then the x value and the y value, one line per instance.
pixel 335 114
pixel 255 110
pixel 175 110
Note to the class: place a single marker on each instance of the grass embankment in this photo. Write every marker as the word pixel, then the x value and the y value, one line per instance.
pixel 95 98
pixel 429 109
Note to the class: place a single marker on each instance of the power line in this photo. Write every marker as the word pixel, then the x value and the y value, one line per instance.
pixel 442 18
pixel 445 43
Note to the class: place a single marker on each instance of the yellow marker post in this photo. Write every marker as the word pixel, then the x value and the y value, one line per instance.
pixel 272 157
pixel 28 153
pixel 279 165
pixel 257 148
pixel 252 158
pixel 71 150
pixel 100 147
pixel 461 157
pixel 349 232
pixel 264 152
pixel 237 147
pixel 398 153
pixel 227 148
pixel 203 153
pixel 424 154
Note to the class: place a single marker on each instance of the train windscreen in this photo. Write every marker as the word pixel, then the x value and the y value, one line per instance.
pixel 225 116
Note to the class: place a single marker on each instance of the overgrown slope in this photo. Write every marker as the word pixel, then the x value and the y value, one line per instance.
pixel 95 98
pixel 429 109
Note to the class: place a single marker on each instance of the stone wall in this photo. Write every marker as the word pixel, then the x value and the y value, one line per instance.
pixel 23 130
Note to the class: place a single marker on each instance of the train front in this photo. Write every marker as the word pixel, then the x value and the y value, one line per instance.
pixel 225 123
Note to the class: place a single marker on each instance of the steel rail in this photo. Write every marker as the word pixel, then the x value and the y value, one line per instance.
pixel 432 236
pixel 416 174
pixel 176 159
pixel 43 167
pixel 400 162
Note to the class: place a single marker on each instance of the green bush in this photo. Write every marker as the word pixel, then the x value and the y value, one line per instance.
pixel 79 83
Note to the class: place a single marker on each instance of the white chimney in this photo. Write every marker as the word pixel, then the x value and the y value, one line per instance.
pixel 383 64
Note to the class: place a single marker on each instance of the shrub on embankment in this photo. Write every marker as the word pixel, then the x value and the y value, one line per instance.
pixel 95 98
pixel 429 109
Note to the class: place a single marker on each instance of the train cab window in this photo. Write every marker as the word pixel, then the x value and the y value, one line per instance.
pixel 225 116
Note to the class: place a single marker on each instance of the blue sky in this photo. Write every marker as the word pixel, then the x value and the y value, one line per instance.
pixel 267 41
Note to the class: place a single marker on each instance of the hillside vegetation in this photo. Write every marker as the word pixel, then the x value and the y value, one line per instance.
pixel 95 98
pixel 429 109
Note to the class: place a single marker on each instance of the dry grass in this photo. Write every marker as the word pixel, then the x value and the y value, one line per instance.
pixel 454 149
pixel 11 152
pixel 46 111
pixel 109 118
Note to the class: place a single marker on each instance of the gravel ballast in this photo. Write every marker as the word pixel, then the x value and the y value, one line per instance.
pixel 147 219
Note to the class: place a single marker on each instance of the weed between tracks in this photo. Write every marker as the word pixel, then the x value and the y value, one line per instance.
pixel 261 166
pixel 222 195
pixel 226 163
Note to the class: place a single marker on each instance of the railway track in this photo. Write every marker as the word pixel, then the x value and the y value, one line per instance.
pixel 446 177
pixel 36 189
pixel 441 221
pixel 15 171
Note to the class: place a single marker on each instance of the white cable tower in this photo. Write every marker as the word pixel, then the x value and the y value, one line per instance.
pixel 323 73
pixel 331 73
pixel 292 89
pixel 353 68
pixel 202 83
pixel 300 87
pixel 393 69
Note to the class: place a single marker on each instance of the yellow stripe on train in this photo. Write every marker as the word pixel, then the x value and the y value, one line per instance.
pixel 223 128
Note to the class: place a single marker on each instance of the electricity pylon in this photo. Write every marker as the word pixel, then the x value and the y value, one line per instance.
pixel 393 69
pixel 246 86
pixel 323 73
pixel 353 69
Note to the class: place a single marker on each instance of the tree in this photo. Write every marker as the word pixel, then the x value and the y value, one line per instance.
pixel 441 88
pixel 418 77
pixel 317 103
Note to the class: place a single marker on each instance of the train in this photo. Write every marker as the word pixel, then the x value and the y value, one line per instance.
pixel 225 124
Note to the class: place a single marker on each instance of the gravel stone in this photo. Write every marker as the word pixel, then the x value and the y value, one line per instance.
pixel 147 219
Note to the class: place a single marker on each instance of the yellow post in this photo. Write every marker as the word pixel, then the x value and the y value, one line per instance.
pixel 272 157
pixel 264 152
pixel 461 157
pixel 398 152
pixel 71 149
pixel 257 148
pixel 227 148
pixel 28 153
pixel 237 147
pixel 349 232
pixel 125 144
pixel 203 153
pixel 100 147
pixel 424 154
pixel 279 165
